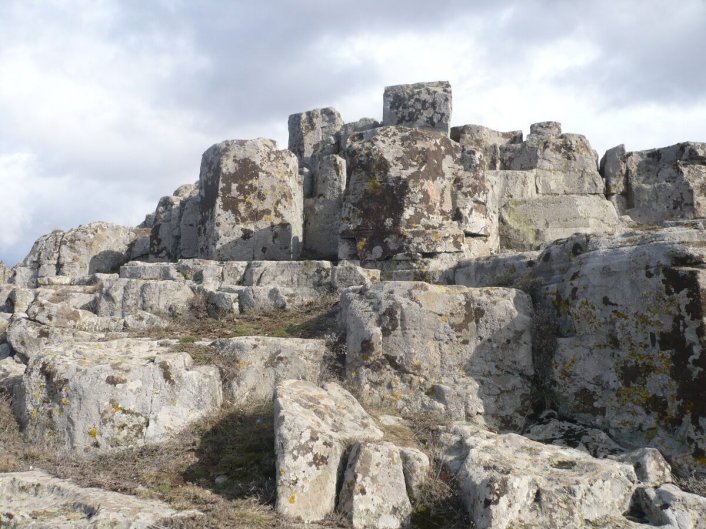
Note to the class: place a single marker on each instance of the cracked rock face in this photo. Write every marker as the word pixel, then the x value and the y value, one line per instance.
pixel 112 394
pixel 401 195
pixel 36 499
pixel 420 106
pixel 251 202
pixel 459 352
pixel 313 428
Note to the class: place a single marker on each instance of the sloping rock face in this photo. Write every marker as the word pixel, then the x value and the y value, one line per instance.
pixel 99 247
pixel 400 197
pixel 36 499
pixel 459 352
pixel 622 327
pixel 419 105
pixel 658 184
pixel 113 394
pixel 250 202
pixel 509 481
pixel 313 428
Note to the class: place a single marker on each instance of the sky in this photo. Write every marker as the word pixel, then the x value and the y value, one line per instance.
pixel 107 105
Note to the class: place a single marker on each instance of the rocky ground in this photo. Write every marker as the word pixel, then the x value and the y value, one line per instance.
pixel 385 325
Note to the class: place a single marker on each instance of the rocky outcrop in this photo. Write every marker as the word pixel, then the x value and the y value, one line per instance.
pixel 420 105
pixel 260 363
pixel 113 394
pixel 458 352
pixel 658 184
pixel 36 499
pixel 622 331
pixel 509 481
pixel 314 131
pixel 99 247
pixel 313 428
pixel 174 225
pixel 250 202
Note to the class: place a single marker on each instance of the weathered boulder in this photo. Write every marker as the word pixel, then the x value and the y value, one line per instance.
pixel 150 271
pixel 650 466
pixel 174 229
pixel 374 493
pixel 314 130
pixel 313 428
pixel 251 202
pixel 293 274
pixel 64 316
pixel 658 184
pixel 112 394
pixel 322 209
pixel 509 481
pixel 98 247
pixel 531 224
pixel 485 141
pixel 400 195
pixel 123 297
pixel 419 105
pixel 40 261
pixel 622 336
pixel 259 363
pixel 349 129
pixel 460 352
pixel 36 499
pixel 668 506
pixel 11 371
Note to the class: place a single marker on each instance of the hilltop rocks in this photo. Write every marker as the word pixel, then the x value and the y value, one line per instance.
pixel 622 336
pixel 509 481
pixel 99 247
pixel 315 130
pixel 174 229
pixel 419 105
pixel 658 184
pixel 261 362
pixel 113 394
pixel 250 202
pixel 313 428
pixel 36 499
pixel 399 198
pixel 460 352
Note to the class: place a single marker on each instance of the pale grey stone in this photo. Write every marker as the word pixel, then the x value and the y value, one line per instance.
pixel 112 394
pixel 322 218
pixel 531 224
pixel 419 105
pixel 121 297
pixel 510 481
pixel 98 247
pixel 460 352
pixel 291 274
pixel 485 141
pixel 251 200
pixel 259 363
pixel 668 506
pixel 650 466
pixel 416 467
pixel 267 298
pixel 349 129
pixel 36 499
pixel 150 271
pixel 374 494
pixel 346 274
pixel 314 130
pixel 573 435
pixel 313 427
pixel 495 271
pixel 613 170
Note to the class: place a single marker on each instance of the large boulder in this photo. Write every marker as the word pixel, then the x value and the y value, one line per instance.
pixel 509 481
pixel 174 229
pixel 99 247
pixel 314 130
pixel 313 428
pixel 251 202
pixel 112 394
pixel 400 197
pixel 40 261
pixel 259 363
pixel 485 141
pixel 36 499
pixel 455 351
pixel 419 105
pixel 658 184
pixel 668 506
pixel 620 341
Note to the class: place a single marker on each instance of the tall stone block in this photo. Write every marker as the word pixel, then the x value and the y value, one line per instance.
pixel 250 202
pixel 419 106
pixel 314 130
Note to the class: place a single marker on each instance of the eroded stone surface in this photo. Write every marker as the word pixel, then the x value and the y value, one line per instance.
pixel 313 428
pixel 36 499
pixel 112 394
pixel 464 353
pixel 251 202
pixel 419 105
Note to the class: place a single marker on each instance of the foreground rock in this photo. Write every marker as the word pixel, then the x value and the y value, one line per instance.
pixel 510 481
pixel 459 352
pixel 36 499
pixel 313 428
pixel 621 321
pixel 251 202
pixel 112 394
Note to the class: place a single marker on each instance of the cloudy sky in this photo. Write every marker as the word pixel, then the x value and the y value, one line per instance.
pixel 106 105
